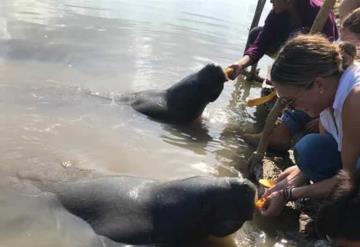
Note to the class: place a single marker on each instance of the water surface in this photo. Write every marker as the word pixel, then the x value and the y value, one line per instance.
pixel 55 55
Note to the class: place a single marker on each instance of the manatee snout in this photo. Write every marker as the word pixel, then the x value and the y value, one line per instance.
pixel 232 207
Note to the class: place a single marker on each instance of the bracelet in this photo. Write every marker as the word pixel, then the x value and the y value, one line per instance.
pixel 288 194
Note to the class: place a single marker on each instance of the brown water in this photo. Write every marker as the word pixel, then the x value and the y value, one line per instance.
pixel 56 54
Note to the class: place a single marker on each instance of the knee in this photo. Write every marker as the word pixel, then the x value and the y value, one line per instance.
pixel 306 150
pixel 317 156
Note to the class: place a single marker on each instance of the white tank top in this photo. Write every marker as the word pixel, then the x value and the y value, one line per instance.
pixel 332 122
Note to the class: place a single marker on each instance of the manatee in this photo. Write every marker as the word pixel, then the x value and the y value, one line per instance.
pixel 135 210
pixel 185 101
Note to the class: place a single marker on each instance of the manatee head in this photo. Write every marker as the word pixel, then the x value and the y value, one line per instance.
pixel 210 81
pixel 229 206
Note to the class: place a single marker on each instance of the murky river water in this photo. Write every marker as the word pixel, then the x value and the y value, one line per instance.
pixel 56 54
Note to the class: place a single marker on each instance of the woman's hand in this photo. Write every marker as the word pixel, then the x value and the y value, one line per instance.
pixel 291 177
pixel 237 68
pixel 275 203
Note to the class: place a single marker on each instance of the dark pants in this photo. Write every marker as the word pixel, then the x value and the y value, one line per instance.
pixel 295 121
pixel 318 157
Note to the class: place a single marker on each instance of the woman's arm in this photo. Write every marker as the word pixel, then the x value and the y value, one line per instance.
pixel 320 189
pixel 276 201
pixel 350 152
pixel 257 49
pixel 268 36
pixel 240 65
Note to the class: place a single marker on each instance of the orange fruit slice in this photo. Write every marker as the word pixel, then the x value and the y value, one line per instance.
pixel 268 183
pixel 260 203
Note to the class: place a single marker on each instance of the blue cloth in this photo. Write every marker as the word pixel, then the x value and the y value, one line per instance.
pixel 318 157
pixel 295 120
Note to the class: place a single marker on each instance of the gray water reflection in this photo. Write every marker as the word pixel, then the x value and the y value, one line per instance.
pixel 55 55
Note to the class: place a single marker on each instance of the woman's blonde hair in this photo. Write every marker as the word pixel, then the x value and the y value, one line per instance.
pixel 306 57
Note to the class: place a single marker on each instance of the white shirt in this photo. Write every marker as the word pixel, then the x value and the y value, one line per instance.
pixel 333 122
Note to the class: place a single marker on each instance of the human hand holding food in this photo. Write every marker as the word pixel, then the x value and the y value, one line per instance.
pixel 273 204
pixel 291 177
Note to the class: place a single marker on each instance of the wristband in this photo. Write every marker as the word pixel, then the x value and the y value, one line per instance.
pixel 288 194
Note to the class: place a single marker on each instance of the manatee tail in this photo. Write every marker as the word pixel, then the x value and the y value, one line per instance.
pixel 111 98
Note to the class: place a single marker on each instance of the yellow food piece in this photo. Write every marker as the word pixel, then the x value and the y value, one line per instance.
pixel 261 100
pixel 229 71
pixel 267 182
pixel 260 204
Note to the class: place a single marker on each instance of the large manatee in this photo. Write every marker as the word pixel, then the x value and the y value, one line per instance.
pixel 141 211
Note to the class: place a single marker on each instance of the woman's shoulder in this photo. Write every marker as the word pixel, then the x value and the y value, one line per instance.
pixel 309 5
pixel 354 70
pixel 308 10
pixel 349 81
pixel 352 101
pixel 315 3
pixel 351 74
pixel 276 19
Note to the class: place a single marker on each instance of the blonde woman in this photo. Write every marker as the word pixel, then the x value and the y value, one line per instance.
pixel 309 75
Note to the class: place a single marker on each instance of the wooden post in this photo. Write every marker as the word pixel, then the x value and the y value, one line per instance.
pixel 258 155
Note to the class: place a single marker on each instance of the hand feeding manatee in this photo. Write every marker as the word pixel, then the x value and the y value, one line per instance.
pixel 134 210
pixel 184 101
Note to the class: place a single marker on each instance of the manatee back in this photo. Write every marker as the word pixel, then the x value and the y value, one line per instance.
pixel 151 103
pixel 116 207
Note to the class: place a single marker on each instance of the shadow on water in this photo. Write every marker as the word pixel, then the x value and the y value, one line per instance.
pixel 194 136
